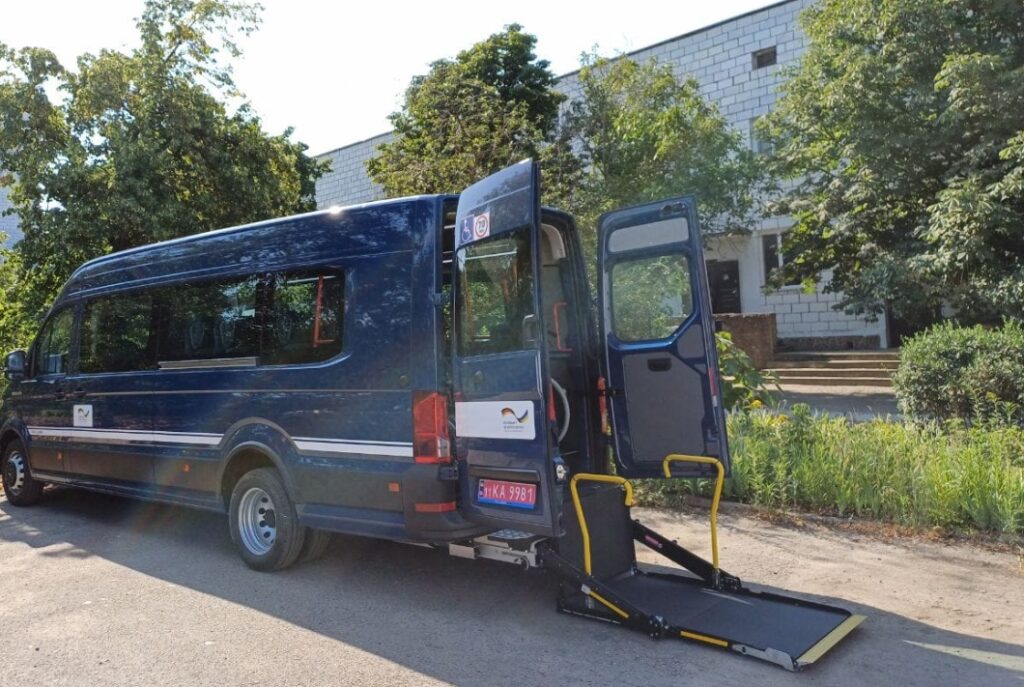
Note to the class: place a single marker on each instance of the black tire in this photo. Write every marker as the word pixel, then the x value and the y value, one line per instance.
pixel 20 487
pixel 263 523
pixel 315 545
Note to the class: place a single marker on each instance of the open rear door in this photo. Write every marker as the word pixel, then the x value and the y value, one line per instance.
pixel 499 367
pixel 656 324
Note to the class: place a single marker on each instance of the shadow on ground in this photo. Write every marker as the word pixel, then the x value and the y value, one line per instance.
pixel 479 622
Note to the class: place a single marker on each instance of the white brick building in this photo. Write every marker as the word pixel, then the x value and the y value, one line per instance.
pixel 739 64
pixel 8 224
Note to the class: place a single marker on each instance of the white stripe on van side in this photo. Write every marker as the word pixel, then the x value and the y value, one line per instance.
pixel 327 446
pixel 124 436
pixel 317 444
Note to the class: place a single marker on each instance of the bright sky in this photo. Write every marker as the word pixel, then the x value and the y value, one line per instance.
pixel 335 70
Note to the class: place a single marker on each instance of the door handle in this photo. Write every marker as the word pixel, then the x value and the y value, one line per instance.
pixel 79 393
pixel 659 364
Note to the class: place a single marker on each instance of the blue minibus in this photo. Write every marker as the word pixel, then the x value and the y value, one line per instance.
pixel 431 369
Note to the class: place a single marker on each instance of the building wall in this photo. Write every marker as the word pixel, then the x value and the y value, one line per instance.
pixel 347 182
pixel 720 58
pixel 9 223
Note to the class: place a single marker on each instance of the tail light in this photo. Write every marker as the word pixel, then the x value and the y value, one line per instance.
pixel 431 443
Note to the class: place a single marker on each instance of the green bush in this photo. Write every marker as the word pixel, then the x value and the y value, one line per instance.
pixel 908 473
pixel 972 374
pixel 744 385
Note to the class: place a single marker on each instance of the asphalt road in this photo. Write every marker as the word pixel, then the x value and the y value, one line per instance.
pixel 97 591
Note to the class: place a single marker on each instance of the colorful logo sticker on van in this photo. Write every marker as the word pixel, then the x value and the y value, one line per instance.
pixel 508 415
pixel 495 419
pixel 82 416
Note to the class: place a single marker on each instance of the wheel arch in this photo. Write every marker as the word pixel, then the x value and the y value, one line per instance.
pixel 248 456
pixel 12 433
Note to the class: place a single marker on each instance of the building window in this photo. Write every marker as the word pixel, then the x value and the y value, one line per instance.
pixel 764 58
pixel 771 250
pixel 757 144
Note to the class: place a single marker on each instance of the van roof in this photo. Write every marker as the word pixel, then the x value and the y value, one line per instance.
pixel 301 237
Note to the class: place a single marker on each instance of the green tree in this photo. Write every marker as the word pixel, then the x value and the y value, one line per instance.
pixel 643 134
pixel 134 147
pixel 901 130
pixel 488 108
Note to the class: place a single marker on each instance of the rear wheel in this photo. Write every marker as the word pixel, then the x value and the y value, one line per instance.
pixel 20 487
pixel 315 545
pixel 263 523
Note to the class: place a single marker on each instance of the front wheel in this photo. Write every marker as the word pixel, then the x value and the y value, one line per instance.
pixel 20 487
pixel 263 523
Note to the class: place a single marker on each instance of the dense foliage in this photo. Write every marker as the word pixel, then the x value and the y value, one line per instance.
pixel 491 106
pixel 643 134
pixel 919 475
pixel 133 147
pixel 973 374
pixel 902 131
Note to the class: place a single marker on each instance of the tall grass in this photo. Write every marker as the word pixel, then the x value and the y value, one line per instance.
pixel 949 476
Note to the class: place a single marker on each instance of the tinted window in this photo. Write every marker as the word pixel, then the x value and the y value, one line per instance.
pixel 117 334
pixel 53 346
pixel 208 320
pixel 651 297
pixel 495 293
pixel 304 317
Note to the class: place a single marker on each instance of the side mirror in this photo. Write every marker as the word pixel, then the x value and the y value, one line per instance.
pixel 14 365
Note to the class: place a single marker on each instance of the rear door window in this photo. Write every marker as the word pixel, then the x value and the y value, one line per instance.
pixel 495 295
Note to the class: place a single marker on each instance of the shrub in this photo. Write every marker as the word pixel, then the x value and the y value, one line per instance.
pixel 744 385
pixel 972 374
pixel 914 474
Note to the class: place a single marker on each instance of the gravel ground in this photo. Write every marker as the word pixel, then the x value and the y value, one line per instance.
pixel 102 591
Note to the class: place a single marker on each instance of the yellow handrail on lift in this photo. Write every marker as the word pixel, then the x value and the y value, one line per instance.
pixel 666 466
pixel 585 533
pixel 588 477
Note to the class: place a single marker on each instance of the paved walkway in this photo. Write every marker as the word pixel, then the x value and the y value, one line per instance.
pixel 858 402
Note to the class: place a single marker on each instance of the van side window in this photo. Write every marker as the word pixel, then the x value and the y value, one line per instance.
pixel 53 346
pixel 208 320
pixel 304 317
pixel 117 334
pixel 495 294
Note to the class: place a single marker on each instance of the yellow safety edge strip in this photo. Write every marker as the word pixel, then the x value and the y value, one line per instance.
pixel 621 613
pixel 830 640
pixel 704 638
pixel 666 466
pixel 587 477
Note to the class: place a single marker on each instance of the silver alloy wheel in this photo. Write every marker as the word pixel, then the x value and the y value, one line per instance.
pixel 257 521
pixel 15 472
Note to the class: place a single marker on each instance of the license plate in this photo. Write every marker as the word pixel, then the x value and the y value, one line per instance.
pixel 501 493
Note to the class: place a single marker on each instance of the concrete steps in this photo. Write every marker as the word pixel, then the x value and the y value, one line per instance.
pixel 836 368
